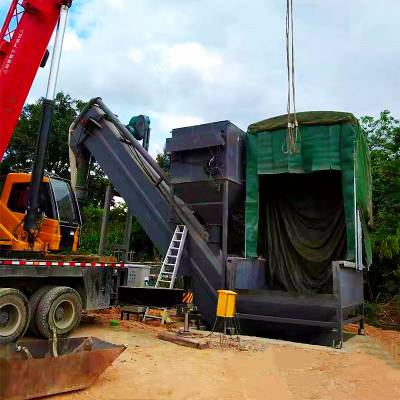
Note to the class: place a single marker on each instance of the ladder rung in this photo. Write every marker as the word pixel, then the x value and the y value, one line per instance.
pixel 167 274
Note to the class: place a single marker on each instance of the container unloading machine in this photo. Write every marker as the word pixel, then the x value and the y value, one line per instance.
pixel 206 191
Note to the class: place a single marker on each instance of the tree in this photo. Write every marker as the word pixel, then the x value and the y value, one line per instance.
pixel 384 142
pixel 21 150
pixel 92 215
pixel 20 154
pixel 163 161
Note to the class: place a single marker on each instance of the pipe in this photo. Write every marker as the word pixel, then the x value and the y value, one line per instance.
pixel 127 233
pixel 104 222
pixel 146 140
pixel 56 57
pixel 85 109
pixel 76 162
pixel 225 221
pixel 30 221
pixel 124 130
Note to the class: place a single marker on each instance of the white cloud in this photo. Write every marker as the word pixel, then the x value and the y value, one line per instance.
pixel 136 56
pixel 193 56
pixel 185 62
pixel 170 121
pixel 165 122
pixel 72 43
pixel 118 4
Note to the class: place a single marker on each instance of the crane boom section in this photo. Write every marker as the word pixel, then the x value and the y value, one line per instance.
pixel 24 37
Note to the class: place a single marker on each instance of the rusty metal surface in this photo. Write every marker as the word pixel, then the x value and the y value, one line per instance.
pixel 79 364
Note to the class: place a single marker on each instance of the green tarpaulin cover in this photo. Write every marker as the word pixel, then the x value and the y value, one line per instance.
pixel 297 212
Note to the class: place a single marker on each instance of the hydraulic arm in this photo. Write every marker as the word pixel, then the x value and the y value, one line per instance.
pixel 30 222
pixel 24 38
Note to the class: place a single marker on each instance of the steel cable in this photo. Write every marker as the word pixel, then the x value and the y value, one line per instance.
pixel 293 131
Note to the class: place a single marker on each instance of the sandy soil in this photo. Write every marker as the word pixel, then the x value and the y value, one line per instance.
pixel 155 369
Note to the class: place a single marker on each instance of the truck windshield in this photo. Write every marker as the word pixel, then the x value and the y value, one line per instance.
pixel 64 200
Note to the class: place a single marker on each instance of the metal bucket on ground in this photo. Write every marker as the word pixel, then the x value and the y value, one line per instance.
pixel 36 368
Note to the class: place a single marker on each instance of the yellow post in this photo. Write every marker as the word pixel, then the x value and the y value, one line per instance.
pixel 226 303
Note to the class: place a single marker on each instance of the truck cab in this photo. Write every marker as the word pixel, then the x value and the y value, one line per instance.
pixel 60 221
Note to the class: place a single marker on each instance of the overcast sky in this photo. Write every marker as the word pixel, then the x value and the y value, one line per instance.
pixel 184 62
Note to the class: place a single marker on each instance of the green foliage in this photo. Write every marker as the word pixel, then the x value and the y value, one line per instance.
pixel 20 153
pixel 90 236
pixel 384 313
pixel 163 160
pixel 19 157
pixel 21 150
pixel 140 242
pixel 371 310
pixel 389 247
pixel 384 143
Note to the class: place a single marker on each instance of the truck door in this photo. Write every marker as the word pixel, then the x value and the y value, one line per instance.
pixel 68 213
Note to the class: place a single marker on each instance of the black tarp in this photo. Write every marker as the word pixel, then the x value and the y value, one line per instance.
pixel 302 229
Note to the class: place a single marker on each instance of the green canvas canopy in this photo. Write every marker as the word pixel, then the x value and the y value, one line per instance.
pixel 302 209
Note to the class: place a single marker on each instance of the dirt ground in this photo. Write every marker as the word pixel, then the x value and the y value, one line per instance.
pixel 366 368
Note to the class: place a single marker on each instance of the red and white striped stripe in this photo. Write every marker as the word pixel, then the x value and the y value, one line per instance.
pixel 44 263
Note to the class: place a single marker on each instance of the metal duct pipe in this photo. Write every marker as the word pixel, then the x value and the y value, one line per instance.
pixel 123 129
pixel 106 217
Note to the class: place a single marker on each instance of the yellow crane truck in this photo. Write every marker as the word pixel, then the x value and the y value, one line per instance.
pixel 39 214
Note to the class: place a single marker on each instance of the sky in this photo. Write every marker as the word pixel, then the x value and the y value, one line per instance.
pixel 185 62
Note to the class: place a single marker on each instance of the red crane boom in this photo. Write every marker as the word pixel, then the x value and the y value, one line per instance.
pixel 24 38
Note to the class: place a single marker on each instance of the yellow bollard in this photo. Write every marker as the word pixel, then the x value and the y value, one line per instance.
pixel 226 303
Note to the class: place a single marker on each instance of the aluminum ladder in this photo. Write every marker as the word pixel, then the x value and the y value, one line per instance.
pixel 169 268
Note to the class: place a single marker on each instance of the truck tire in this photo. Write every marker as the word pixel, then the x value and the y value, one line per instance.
pixel 59 309
pixel 14 315
pixel 34 301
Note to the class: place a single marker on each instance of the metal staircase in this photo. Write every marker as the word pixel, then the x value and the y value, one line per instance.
pixel 169 268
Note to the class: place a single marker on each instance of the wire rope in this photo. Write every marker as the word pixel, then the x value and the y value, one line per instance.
pixel 293 130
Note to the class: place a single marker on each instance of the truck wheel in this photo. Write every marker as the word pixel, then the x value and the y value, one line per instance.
pixel 59 309
pixel 14 315
pixel 34 301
